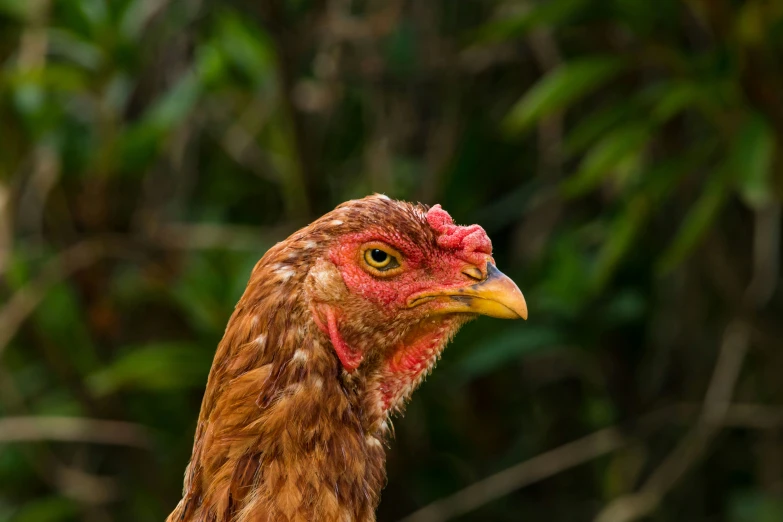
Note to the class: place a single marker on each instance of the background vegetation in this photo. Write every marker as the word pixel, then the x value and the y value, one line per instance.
pixel 624 156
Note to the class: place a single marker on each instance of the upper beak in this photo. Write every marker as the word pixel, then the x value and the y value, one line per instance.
pixel 495 296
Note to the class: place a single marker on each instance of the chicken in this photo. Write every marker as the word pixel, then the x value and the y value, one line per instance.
pixel 338 325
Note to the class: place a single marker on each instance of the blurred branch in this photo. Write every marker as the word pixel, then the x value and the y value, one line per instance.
pixel 546 465
pixel 32 202
pixel 766 256
pixel 73 429
pixel 550 128
pixel 85 487
pixel 6 236
pixel 738 415
pixel 478 58
pixel 341 25
pixel 716 406
pixel 754 416
pixel 538 468
pixel 149 10
pixel 695 443
pixel 533 233
pixel 71 482
pixel 31 56
pixel 441 145
pixel 34 40
pixel 238 139
pixel 287 38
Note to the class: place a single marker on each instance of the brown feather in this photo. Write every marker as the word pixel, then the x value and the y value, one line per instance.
pixel 285 434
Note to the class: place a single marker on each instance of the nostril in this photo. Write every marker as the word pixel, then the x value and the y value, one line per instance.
pixel 473 273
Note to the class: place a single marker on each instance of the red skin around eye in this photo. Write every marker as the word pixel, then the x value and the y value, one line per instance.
pixel 424 267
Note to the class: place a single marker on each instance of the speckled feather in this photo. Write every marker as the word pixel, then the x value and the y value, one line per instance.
pixel 292 426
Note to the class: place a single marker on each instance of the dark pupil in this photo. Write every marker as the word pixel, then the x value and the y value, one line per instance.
pixel 379 256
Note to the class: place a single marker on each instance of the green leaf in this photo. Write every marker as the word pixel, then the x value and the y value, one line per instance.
pixel 143 141
pixel 95 11
pixel 700 217
pixel 60 319
pixel 210 64
pixel 625 307
pixel 627 226
pixel 565 283
pixel 676 97
pixel 69 45
pixel 154 367
pixel 590 128
pixel 203 295
pixel 133 19
pixel 622 145
pixel 548 13
pixel 65 79
pixel 46 509
pixel 600 412
pixel 751 23
pixel 174 106
pixel 752 161
pixel 747 163
pixel 400 52
pixel 755 506
pixel 14 469
pixel 29 97
pixel 248 50
pixel 498 350
pixel 559 89
pixel 19 9
pixel 623 232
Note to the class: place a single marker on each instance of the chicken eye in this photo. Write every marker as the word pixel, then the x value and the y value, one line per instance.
pixel 379 256
pixel 380 259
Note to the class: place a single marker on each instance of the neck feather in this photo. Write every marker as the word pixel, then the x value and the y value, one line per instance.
pixel 284 433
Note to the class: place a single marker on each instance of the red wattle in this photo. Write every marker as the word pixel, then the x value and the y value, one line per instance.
pixel 349 358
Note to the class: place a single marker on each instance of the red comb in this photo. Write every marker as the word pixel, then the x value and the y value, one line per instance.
pixel 471 243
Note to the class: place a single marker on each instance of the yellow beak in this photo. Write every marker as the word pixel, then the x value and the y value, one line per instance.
pixel 495 296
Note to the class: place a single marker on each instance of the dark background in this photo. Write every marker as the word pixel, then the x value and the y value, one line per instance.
pixel 624 156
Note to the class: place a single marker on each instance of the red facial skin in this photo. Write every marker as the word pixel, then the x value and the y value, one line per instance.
pixel 409 364
pixel 425 267
pixel 428 267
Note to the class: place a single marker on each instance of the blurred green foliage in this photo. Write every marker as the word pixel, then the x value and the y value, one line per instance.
pixel 623 155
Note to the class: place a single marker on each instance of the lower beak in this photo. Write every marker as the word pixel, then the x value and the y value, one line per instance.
pixel 495 296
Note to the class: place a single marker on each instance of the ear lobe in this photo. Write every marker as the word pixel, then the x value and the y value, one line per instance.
pixel 325 283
